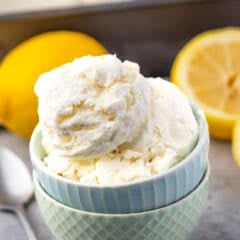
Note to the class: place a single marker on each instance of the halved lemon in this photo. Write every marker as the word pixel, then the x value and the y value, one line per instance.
pixel 207 69
pixel 236 142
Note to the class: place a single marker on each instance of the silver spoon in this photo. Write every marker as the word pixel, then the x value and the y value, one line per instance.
pixel 16 188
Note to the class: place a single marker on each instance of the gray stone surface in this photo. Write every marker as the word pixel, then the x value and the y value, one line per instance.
pixel 221 219
pixel 10 227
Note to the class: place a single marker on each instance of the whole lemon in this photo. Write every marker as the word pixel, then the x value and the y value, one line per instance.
pixel 21 67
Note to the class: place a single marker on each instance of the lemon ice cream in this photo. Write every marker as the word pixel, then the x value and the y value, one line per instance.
pixel 103 123
pixel 89 107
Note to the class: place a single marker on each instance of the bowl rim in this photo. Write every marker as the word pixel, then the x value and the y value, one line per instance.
pixel 202 137
pixel 198 188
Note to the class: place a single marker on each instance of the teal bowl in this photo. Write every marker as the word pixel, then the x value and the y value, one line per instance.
pixel 151 193
pixel 173 222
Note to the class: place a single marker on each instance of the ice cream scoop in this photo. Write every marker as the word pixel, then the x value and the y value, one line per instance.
pixel 172 118
pixel 89 107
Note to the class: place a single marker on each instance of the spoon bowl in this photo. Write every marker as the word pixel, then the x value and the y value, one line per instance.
pixel 15 181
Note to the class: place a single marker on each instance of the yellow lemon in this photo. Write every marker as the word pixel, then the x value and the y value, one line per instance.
pixel 207 69
pixel 236 142
pixel 21 67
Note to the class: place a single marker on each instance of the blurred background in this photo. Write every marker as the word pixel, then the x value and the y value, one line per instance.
pixel 147 31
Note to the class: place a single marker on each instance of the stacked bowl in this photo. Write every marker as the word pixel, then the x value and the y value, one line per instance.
pixel 165 206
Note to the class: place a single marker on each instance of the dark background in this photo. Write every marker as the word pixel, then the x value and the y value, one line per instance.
pixel 149 32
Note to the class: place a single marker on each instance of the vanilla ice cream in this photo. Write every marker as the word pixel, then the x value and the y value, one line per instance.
pixel 103 123
pixel 89 107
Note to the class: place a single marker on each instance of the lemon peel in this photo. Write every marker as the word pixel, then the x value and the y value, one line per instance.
pixel 236 142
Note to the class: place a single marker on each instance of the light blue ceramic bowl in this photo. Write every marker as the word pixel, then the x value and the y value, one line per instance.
pixel 173 222
pixel 155 192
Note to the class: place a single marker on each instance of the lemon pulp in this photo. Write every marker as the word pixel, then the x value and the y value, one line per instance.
pixel 207 69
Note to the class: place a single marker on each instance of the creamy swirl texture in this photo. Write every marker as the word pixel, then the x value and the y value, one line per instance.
pixel 103 123
pixel 89 107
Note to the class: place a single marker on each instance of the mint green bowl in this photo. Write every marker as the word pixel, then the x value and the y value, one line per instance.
pixel 173 222
pixel 151 193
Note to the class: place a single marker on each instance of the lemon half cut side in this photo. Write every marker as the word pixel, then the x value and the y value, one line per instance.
pixel 207 70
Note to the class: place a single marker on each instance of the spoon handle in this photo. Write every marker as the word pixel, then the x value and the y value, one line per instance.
pixel 21 213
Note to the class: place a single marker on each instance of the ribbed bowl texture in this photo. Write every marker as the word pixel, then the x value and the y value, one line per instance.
pixel 174 222
pixel 152 193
